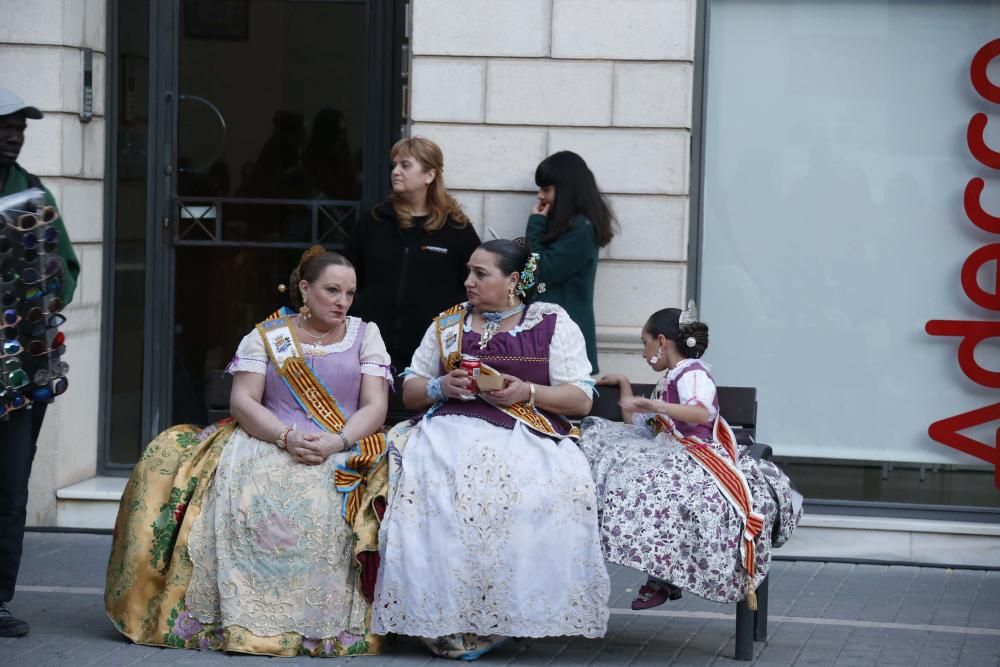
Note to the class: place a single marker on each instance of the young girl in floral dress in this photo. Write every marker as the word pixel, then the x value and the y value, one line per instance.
pixel 677 498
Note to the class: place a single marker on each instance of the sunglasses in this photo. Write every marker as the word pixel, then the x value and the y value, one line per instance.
pixel 58 387
pixel 44 376
pixel 47 237
pixel 11 400
pixel 37 329
pixel 38 348
pixel 12 348
pixel 28 220
pixel 10 318
pixel 8 299
pixel 6 245
pixel 13 375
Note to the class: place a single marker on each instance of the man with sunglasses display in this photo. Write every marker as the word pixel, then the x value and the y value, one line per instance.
pixel 19 430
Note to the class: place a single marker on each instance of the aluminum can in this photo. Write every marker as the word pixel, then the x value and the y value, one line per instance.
pixel 471 365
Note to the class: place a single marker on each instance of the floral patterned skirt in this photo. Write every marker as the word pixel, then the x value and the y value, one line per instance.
pixel 153 581
pixel 662 513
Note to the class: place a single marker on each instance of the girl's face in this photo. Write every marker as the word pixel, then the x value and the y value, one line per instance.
pixel 330 295
pixel 487 286
pixel 654 351
pixel 409 175
pixel 547 195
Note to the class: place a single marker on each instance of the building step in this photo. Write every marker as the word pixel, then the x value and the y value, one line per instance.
pixel 93 503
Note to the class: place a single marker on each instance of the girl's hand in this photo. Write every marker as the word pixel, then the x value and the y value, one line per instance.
pixel 456 384
pixel 514 391
pixel 636 404
pixel 612 379
pixel 301 450
pixel 540 208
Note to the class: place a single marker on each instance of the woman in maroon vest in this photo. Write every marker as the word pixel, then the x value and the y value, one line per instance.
pixel 491 530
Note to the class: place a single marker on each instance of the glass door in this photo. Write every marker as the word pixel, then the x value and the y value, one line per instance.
pixel 276 138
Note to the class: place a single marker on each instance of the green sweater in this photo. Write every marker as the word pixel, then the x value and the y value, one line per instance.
pixel 568 267
pixel 17 181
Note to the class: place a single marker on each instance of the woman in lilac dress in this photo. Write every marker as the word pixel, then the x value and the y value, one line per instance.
pixel 259 535
pixel 491 530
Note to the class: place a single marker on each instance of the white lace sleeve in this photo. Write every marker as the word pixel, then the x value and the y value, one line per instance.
pixel 568 363
pixel 251 357
pixel 696 388
pixel 374 357
pixel 426 361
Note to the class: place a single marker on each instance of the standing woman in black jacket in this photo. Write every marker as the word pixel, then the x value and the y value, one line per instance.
pixel 411 250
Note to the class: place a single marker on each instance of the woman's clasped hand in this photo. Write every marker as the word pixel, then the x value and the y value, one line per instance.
pixel 313 448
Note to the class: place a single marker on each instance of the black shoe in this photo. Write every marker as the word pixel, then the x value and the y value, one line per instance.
pixel 10 625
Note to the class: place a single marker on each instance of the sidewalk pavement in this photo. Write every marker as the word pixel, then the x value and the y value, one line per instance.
pixel 820 614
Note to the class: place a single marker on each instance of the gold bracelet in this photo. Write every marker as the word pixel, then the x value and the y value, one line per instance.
pixel 282 440
pixel 347 445
pixel 531 394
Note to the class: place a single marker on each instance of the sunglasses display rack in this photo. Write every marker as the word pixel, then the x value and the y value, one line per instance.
pixel 31 279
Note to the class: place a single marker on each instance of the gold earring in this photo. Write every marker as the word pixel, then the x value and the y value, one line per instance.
pixel 510 297
pixel 304 311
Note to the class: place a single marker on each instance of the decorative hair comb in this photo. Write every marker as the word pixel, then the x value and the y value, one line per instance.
pixel 689 315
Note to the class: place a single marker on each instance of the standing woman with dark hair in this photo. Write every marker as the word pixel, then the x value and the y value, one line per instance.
pixel 567 227
pixel 410 252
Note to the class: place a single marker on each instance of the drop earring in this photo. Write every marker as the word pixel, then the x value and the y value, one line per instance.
pixel 510 297
pixel 304 311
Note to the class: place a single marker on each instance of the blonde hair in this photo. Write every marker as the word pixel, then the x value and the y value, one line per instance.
pixel 441 204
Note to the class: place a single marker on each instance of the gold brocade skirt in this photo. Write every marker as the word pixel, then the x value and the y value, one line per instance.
pixel 150 567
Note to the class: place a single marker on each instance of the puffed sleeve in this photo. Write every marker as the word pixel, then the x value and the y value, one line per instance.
pixel 251 357
pixel 374 357
pixel 696 388
pixel 426 362
pixel 568 363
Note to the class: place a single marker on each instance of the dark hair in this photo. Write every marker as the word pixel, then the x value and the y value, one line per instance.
pixel 511 258
pixel 576 194
pixel 314 261
pixel 666 322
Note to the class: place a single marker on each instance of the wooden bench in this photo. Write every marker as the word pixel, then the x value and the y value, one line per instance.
pixel 738 406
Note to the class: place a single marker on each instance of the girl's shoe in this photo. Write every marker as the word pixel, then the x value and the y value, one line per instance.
pixel 654 593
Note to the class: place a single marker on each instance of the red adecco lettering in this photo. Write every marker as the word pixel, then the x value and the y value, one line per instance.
pixel 972 333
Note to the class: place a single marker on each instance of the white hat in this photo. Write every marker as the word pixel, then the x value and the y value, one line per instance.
pixel 11 104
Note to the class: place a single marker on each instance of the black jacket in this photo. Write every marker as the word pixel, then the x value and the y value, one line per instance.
pixel 407 276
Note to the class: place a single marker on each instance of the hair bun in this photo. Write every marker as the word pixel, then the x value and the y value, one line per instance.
pixel 310 253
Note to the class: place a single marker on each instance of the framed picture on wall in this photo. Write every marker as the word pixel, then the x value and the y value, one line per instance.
pixel 217 19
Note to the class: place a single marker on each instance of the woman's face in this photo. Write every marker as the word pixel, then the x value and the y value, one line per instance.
pixel 409 175
pixel 655 347
pixel 330 296
pixel 547 195
pixel 487 286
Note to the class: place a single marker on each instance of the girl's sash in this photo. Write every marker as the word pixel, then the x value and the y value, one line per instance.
pixel 312 394
pixel 450 325
pixel 731 481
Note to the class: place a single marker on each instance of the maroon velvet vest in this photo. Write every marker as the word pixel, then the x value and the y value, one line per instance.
pixel 524 355
pixel 702 431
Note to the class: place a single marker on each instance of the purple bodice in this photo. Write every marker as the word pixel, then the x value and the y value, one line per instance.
pixel 701 431
pixel 524 355
pixel 340 371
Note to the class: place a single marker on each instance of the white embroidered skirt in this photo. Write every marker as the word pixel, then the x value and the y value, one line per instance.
pixel 493 532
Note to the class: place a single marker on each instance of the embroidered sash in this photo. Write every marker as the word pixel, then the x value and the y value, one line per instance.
pixel 319 403
pixel 731 482
pixel 450 325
